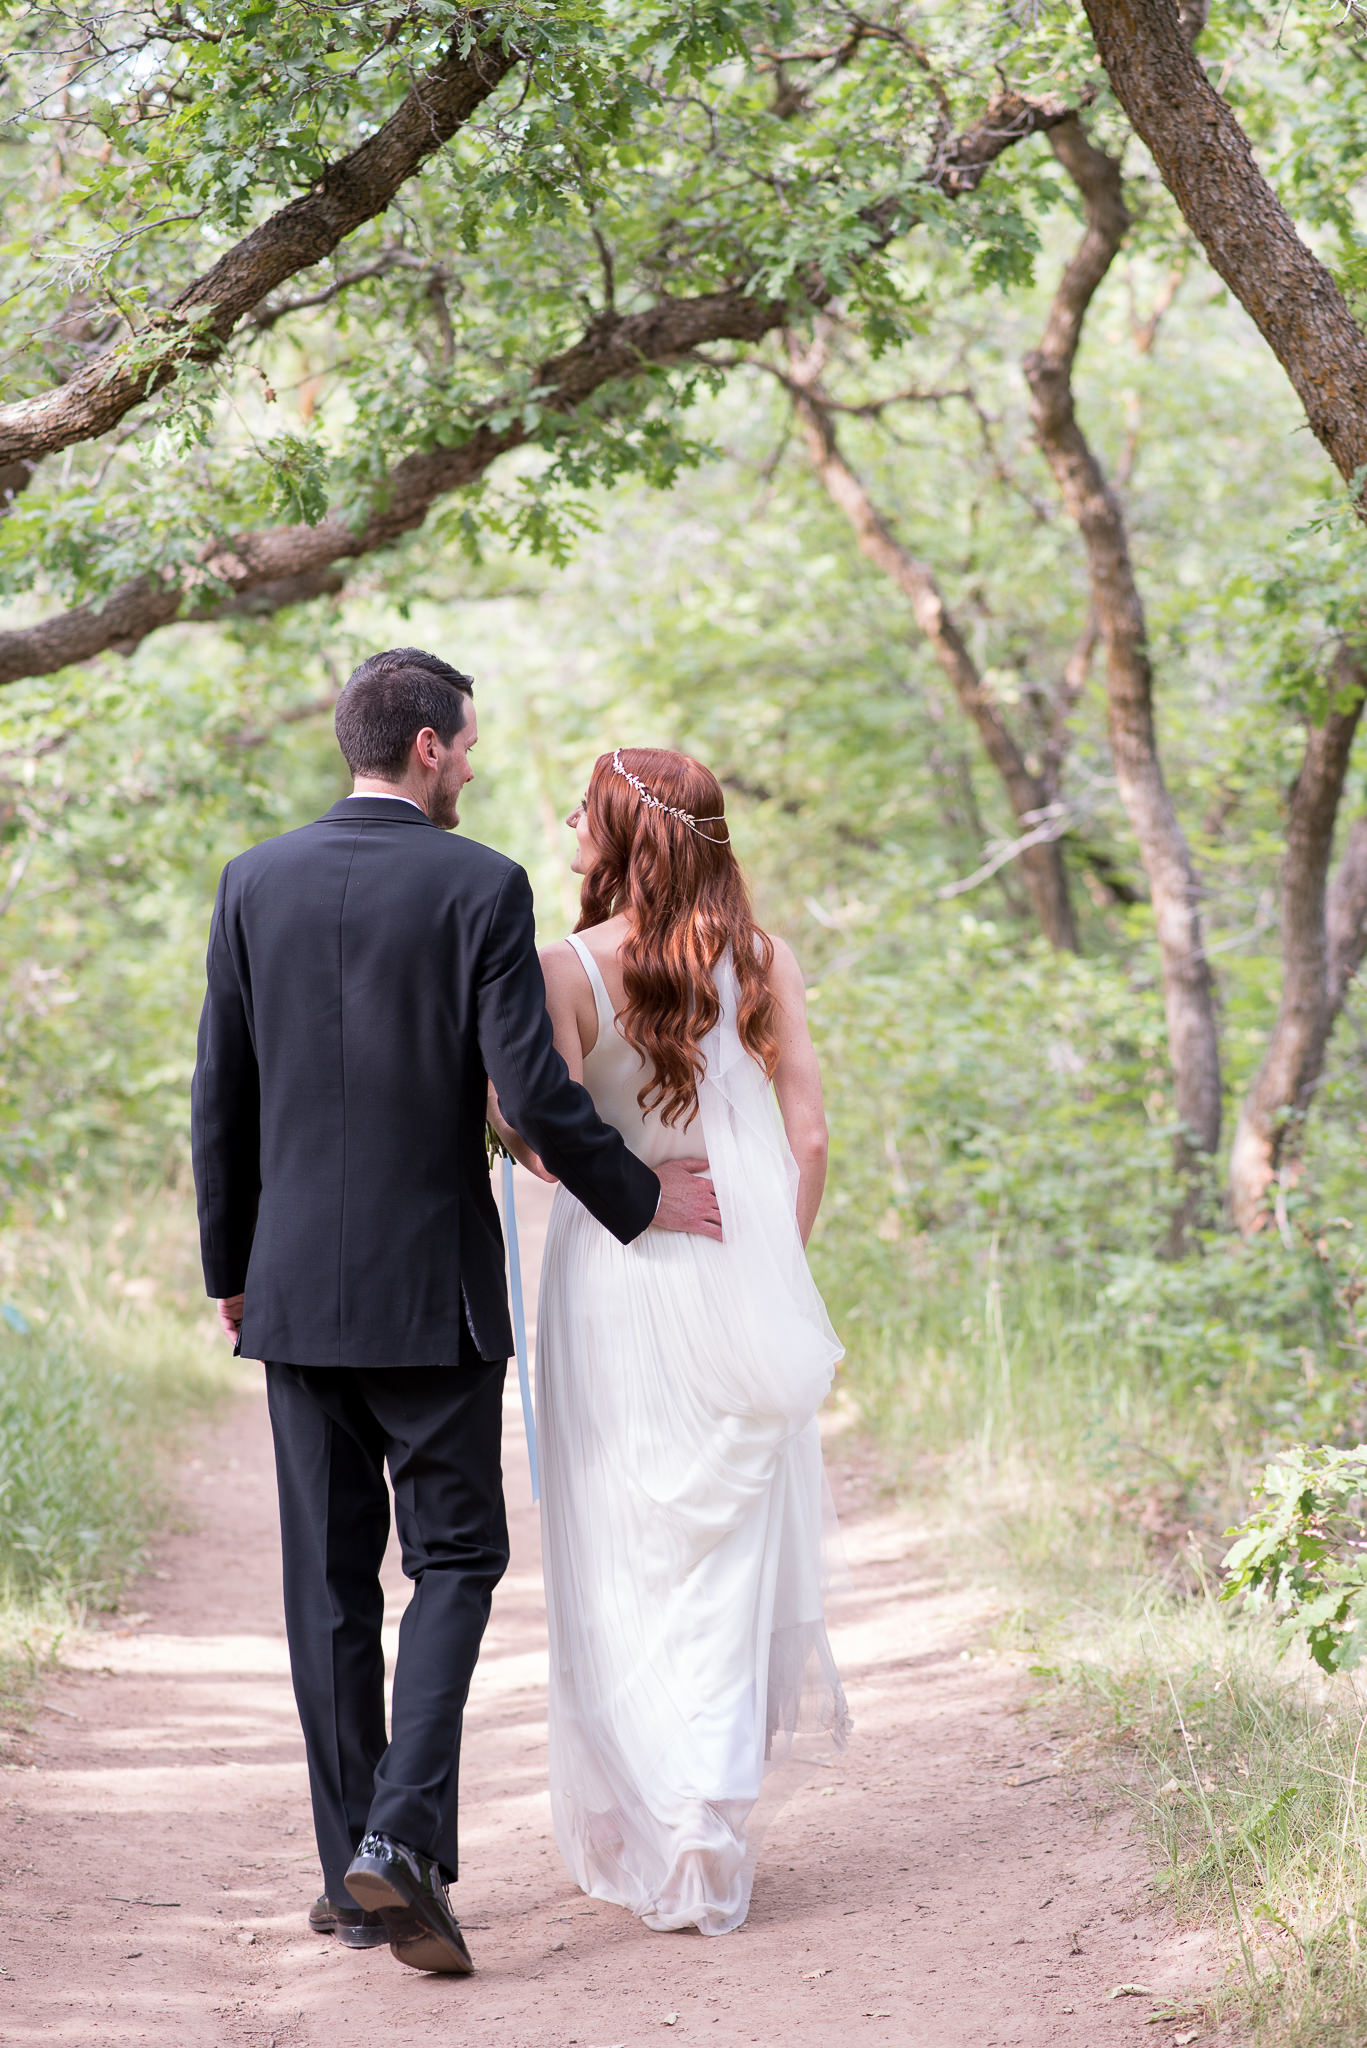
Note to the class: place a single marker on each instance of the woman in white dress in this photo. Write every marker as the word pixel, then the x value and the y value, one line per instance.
pixel 678 1379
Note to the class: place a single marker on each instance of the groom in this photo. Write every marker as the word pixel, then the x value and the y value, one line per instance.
pixel 367 975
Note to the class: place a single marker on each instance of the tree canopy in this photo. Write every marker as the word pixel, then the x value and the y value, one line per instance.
pixel 311 313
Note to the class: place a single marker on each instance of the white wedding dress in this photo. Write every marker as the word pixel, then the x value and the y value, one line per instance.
pixel 683 1500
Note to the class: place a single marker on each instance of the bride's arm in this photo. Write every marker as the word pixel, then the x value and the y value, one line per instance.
pixel 797 1083
pixel 574 1023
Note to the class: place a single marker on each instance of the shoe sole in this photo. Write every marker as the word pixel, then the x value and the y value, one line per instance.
pixel 429 1951
pixel 374 1892
pixel 424 1948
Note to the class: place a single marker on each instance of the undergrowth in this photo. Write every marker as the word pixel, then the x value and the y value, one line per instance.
pixel 1246 1772
pixel 1084 1432
pixel 106 1354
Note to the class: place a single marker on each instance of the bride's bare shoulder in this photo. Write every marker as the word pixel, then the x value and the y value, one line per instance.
pixel 560 964
pixel 603 941
pixel 786 978
pixel 569 996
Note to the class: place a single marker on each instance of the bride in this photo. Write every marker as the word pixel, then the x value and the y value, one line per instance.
pixel 678 1379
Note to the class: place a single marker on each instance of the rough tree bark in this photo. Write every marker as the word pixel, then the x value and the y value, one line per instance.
pixel 614 348
pixel 1346 914
pixel 1323 933
pixel 1207 164
pixel 199 321
pixel 1028 793
pixel 1188 986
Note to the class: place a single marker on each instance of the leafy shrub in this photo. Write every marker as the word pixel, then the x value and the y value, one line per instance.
pixel 1305 1551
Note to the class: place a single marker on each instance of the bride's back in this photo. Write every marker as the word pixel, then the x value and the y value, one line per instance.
pixel 665 920
pixel 615 1073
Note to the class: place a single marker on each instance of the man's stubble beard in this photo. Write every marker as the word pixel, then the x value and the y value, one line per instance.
pixel 445 809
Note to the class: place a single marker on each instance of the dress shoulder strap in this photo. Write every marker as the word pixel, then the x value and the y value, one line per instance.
pixel 607 1016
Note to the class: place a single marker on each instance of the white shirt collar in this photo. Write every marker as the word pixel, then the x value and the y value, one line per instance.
pixel 385 796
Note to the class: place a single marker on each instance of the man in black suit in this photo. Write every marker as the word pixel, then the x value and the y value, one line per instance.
pixel 367 976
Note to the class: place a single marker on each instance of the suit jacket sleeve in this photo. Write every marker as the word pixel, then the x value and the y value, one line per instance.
pixel 225 1117
pixel 553 1113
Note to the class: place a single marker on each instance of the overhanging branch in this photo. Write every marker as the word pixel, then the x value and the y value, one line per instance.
pixel 614 350
pixel 234 571
pixel 198 323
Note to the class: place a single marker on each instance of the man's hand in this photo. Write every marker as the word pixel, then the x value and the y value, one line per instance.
pixel 688 1200
pixel 230 1315
pixel 525 1156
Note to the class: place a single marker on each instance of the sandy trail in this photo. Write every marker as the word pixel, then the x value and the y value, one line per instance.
pixel 941 1883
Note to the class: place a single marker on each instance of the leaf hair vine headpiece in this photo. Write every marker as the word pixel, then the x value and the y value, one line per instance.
pixel 655 803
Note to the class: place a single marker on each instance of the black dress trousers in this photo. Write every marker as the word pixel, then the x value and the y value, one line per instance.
pixel 438 1429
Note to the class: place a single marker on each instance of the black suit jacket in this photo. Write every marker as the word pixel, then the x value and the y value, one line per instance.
pixel 365 974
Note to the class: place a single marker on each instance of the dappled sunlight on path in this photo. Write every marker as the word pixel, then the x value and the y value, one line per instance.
pixel 942 1883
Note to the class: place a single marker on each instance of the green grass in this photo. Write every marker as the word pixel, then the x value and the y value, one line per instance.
pixel 1247 1774
pixel 1083 1433
pixel 106 1355
pixel 1071 1413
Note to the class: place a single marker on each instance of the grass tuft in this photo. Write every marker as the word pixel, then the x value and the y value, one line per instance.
pixel 1083 1437
pixel 107 1353
pixel 1249 1776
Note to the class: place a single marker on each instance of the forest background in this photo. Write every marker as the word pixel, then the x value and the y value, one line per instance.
pixel 943 422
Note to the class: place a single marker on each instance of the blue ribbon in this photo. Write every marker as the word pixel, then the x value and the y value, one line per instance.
pixel 519 1321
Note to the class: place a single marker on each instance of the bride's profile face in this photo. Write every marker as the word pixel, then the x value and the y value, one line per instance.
pixel 585 849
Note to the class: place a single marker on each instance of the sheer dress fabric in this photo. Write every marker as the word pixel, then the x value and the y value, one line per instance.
pixel 684 1502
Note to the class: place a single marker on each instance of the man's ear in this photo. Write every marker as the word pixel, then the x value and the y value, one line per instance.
pixel 425 743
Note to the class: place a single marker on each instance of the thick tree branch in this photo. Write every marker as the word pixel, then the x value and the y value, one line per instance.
pixel 1040 857
pixel 1188 988
pixel 962 163
pixel 614 349
pixel 197 324
pixel 1208 166
pixel 266 599
pixel 1323 933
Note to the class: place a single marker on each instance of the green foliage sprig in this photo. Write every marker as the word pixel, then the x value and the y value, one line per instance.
pixel 1305 1551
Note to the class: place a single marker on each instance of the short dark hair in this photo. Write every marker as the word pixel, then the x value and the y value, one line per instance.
pixel 387 702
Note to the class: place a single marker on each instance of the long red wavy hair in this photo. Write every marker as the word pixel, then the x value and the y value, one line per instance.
pixel 687 901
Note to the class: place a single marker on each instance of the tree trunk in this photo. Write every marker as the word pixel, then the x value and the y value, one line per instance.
pixel 1206 162
pixel 1188 987
pixel 1208 166
pixel 1347 913
pixel 1046 877
pixel 1322 942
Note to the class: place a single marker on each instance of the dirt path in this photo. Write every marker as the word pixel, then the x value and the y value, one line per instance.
pixel 939 1884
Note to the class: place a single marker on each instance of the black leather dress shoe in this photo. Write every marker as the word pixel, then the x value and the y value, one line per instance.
pixel 404 1887
pixel 353 1927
